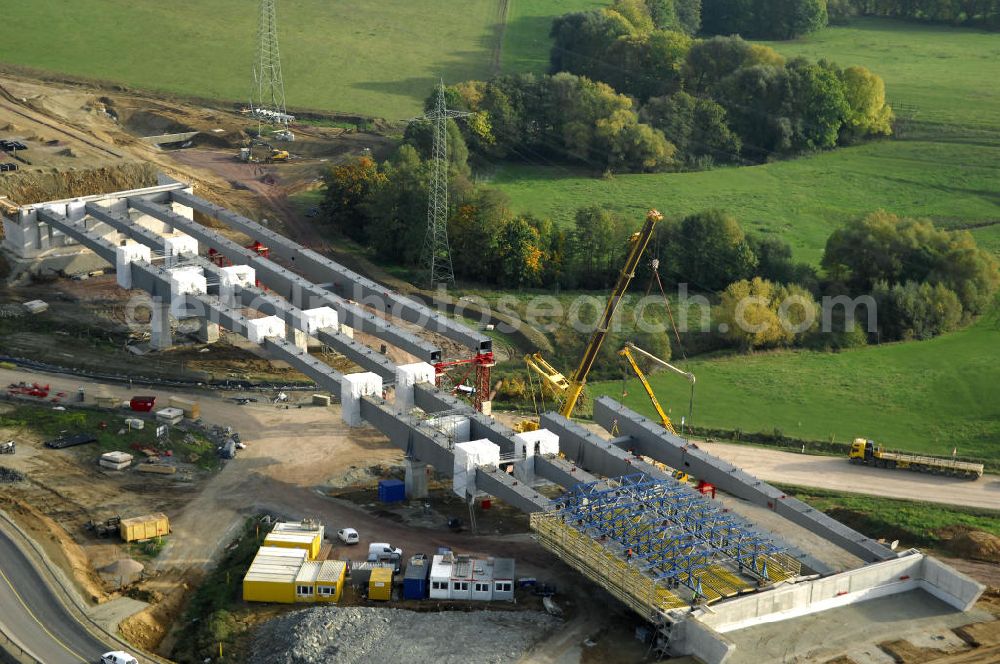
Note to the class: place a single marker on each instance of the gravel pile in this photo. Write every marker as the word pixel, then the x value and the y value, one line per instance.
pixel 353 635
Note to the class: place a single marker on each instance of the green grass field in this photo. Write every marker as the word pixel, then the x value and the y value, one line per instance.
pixel 927 396
pixel 376 58
pixel 945 164
pixel 526 40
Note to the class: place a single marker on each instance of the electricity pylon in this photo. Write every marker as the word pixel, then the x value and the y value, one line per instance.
pixel 436 251
pixel 267 96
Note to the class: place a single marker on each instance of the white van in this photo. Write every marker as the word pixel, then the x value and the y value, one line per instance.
pixel 381 551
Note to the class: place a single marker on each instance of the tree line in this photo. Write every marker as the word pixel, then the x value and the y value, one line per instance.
pixel 626 95
pixel 978 13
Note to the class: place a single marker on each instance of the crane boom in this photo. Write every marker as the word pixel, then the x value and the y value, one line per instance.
pixel 626 352
pixel 638 243
pixel 632 347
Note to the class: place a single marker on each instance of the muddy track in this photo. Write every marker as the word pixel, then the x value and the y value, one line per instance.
pixel 503 9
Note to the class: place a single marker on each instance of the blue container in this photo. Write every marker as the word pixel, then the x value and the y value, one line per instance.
pixel 391 491
pixel 415 584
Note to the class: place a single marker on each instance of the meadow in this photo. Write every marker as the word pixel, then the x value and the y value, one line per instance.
pixel 374 58
pixel 943 164
pixel 923 396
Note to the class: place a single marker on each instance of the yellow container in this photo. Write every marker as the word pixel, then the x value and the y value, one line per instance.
pixel 141 528
pixel 273 576
pixel 309 542
pixel 380 584
pixel 330 581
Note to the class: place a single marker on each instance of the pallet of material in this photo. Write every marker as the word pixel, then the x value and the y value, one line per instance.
pixel 158 468
pixel 115 460
pixel 192 409
pixel 70 441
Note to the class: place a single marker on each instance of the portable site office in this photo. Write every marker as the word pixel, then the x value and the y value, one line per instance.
pixel 464 577
pixel 285 575
pixel 304 535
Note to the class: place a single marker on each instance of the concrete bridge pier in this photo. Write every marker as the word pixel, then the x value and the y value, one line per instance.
pixel 416 479
pixel 160 336
pixel 296 337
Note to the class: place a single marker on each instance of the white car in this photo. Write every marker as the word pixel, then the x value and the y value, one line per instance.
pixel 348 536
pixel 118 657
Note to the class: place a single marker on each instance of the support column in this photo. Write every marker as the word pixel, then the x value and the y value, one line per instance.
pixel 417 474
pixel 160 337
pixel 296 337
pixel 208 332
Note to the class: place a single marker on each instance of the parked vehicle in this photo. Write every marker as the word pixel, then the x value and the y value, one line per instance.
pixel 868 453
pixel 348 536
pixel 383 552
pixel 118 657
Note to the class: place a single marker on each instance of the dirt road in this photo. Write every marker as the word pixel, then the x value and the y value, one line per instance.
pixel 837 474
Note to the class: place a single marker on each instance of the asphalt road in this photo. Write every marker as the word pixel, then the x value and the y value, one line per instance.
pixel 36 617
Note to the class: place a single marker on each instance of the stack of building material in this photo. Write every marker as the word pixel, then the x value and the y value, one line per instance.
pixel 115 460
pixel 156 468
pixel 321 399
pixel 36 306
pixel 170 415
pixel 134 424
pixel 352 389
pixel 191 409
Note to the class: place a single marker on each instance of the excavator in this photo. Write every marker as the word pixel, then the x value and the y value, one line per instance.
pixel 571 389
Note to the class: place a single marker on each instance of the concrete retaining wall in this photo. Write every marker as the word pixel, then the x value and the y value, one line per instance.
pixel 909 572
pixel 694 637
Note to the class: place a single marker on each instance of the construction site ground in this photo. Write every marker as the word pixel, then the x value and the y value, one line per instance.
pixel 295 458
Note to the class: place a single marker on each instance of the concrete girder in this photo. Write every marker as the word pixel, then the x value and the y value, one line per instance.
pixel 320 269
pixel 432 400
pixel 561 472
pixel 257 299
pixel 293 287
pixel 652 440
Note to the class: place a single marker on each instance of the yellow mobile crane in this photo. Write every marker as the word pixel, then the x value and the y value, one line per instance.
pixel 573 388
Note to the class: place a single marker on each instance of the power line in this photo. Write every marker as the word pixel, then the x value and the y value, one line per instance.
pixel 436 251
pixel 267 93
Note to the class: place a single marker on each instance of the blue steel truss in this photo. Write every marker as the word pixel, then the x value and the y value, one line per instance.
pixel 666 529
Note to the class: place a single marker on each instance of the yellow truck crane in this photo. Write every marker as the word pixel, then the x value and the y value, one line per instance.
pixel 867 452
pixel 570 390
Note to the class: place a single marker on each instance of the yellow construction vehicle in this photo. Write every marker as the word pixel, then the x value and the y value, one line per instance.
pixel 279 156
pixel 572 389
pixel 627 353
